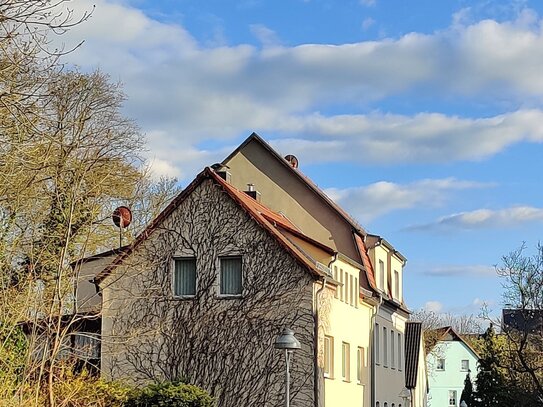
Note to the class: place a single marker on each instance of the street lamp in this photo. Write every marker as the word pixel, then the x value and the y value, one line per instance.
pixel 405 395
pixel 287 342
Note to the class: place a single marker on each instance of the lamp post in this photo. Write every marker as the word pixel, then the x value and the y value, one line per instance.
pixel 405 395
pixel 287 341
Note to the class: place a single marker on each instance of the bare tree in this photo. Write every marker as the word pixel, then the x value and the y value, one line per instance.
pixel 522 277
pixel 433 321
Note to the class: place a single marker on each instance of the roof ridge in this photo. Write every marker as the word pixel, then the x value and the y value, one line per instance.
pixel 235 194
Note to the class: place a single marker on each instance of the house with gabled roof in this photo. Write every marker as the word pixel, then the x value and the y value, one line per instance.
pixel 283 187
pixel 249 247
pixel 450 360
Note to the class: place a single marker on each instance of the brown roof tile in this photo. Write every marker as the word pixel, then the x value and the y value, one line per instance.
pixel 268 219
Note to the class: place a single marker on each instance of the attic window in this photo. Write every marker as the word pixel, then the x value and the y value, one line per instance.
pixel 231 283
pixel 184 277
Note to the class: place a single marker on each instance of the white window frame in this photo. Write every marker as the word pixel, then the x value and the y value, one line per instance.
pixel 399 351
pixel 329 356
pixel 462 368
pixel 385 346
pixel 382 275
pixel 184 296
pixel 336 277
pixel 397 285
pixel 227 257
pixel 346 361
pixel 360 365
pixel 377 344
pixel 392 351
pixel 440 365
pixel 453 398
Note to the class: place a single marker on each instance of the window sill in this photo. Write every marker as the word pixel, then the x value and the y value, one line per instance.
pixel 229 296
pixel 183 297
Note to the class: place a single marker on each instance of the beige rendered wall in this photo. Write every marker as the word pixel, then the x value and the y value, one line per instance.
pixel 348 321
pixel 283 192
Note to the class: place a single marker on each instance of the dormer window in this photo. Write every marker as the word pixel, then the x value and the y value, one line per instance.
pixel 396 285
pixel 381 275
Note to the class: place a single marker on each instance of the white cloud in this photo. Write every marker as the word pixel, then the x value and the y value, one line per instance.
pixel 367 23
pixel 433 306
pixel 383 197
pixel 264 34
pixel 485 218
pixel 190 92
pixel 368 3
pixel 461 270
pixel 427 137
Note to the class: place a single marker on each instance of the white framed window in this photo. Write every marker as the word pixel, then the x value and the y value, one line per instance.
pixel 342 281
pixel 346 361
pixel 385 347
pixel 356 292
pixel 336 295
pixel 400 352
pixel 184 277
pixel 464 365
pixel 328 356
pixel 360 365
pixel 377 344
pixel 231 280
pixel 381 275
pixel 440 364
pixel 347 289
pixel 396 285
pixel 392 351
pixel 452 398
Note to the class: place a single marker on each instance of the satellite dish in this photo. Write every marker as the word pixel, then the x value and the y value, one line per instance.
pixel 293 161
pixel 122 217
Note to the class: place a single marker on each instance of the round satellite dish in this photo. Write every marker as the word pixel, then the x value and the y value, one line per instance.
pixel 293 161
pixel 122 217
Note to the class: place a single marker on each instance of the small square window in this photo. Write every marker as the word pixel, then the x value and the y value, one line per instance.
pixel 231 276
pixel 465 365
pixel 440 364
pixel 184 277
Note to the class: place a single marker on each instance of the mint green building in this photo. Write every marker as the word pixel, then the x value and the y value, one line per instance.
pixel 448 363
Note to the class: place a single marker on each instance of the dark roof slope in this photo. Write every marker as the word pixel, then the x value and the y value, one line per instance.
pixel 413 339
pixel 523 320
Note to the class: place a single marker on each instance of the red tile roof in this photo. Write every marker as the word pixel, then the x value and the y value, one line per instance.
pixel 357 229
pixel 268 219
pixel 370 275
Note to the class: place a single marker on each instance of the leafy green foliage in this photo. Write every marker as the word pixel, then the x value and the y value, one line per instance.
pixel 171 394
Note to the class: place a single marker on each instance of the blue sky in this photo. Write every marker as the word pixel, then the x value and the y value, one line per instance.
pixel 422 118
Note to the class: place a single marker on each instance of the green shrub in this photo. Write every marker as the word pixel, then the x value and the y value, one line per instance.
pixel 171 394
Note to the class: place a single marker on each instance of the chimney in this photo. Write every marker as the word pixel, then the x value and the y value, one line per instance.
pixel 252 192
pixel 222 171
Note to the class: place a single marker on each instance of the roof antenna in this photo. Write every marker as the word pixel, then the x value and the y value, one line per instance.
pixel 122 217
